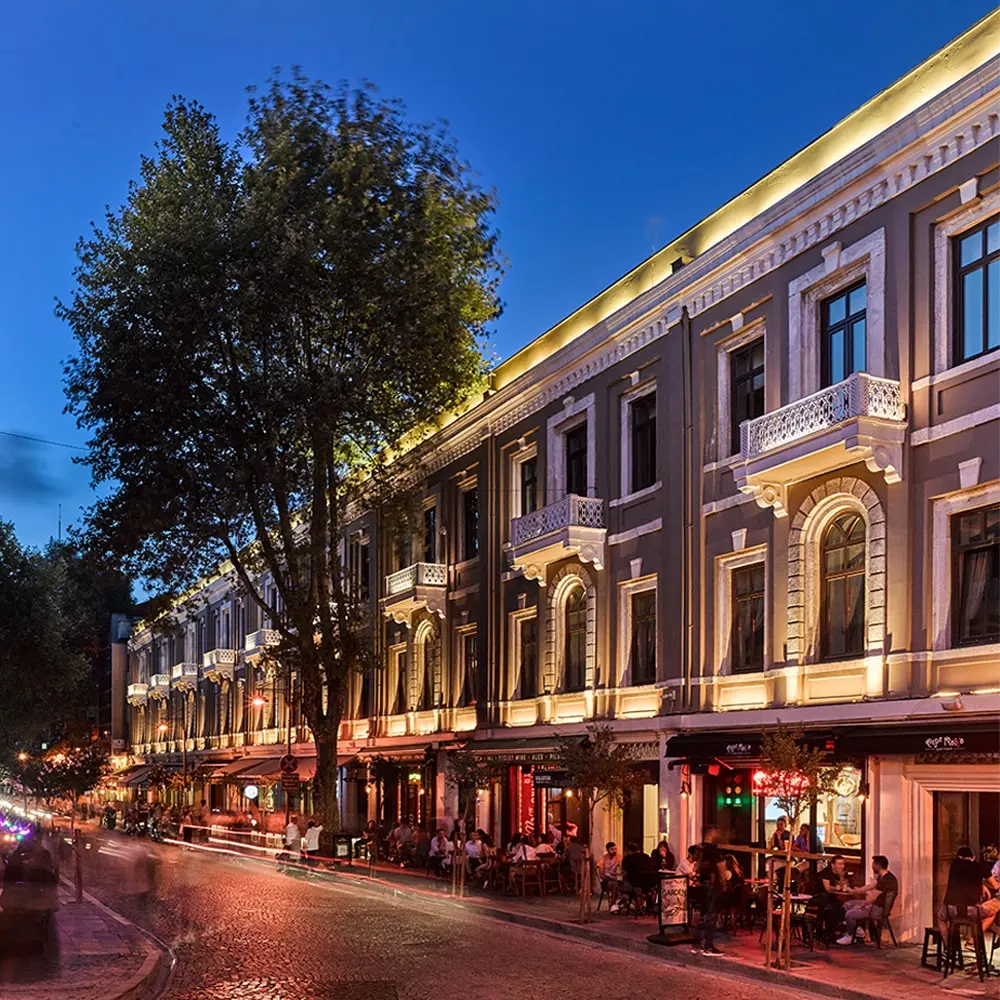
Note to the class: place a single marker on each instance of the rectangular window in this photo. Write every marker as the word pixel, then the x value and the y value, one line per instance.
pixel 977 291
pixel 643 441
pixel 843 334
pixel 748 618
pixel 470 669
pixel 975 539
pixel 470 523
pixel 644 637
pixel 528 473
pixel 399 698
pixel 364 573
pixel 527 656
pixel 576 460
pixel 430 534
pixel 746 376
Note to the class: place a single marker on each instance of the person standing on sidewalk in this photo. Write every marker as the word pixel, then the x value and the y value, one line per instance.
pixel 711 879
pixel 293 835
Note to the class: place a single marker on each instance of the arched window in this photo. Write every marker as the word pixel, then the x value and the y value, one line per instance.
pixel 843 587
pixel 427 647
pixel 576 639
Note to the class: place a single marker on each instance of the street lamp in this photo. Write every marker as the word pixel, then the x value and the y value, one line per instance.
pixel 22 757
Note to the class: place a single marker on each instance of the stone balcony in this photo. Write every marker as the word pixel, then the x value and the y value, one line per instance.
pixel 219 665
pixel 136 694
pixel 184 676
pixel 420 586
pixel 257 643
pixel 861 419
pixel 574 525
pixel 159 686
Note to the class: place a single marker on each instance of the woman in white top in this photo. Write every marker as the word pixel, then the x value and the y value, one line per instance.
pixel 312 839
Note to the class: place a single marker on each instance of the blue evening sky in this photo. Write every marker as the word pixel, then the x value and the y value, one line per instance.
pixel 606 129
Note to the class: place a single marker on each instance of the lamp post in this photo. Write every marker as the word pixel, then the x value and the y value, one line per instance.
pixel 23 758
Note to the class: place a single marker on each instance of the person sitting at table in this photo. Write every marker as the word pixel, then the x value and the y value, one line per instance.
pixel 836 890
pixel 545 845
pixel 609 872
pixel 572 855
pixel 639 873
pixel 439 854
pixel 689 866
pixel 521 850
pixel 874 901
pixel 779 842
pixel 663 857
pixel 971 885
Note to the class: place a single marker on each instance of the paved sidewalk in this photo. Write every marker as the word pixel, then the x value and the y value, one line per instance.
pixel 860 972
pixel 97 955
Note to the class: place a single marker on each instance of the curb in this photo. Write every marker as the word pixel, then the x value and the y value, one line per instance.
pixel 669 955
pixel 157 968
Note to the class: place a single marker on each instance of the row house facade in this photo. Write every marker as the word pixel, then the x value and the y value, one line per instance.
pixel 756 479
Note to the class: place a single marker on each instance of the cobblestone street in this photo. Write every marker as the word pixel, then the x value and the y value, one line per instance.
pixel 242 931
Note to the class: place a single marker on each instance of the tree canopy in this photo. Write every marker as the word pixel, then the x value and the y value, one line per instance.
pixel 55 609
pixel 257 328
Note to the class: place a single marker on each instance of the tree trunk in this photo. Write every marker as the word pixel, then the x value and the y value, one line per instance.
pixel 786 910
pixel 325 800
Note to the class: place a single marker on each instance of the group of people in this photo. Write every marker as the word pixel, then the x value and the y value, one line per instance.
pixel 632 880
pixel 305 842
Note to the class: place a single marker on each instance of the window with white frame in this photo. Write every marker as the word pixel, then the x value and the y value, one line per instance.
pixel 430 534
pixel 740 393
pixel 977 290
pixel 637 626
pixel 525 493
pixel 843 268
pixel 575 639
pixel 638 434
pixel 740 604
pixel 571 440
pixel 966 285
pixel 398 682
pixel 524 654
pixel 964 558
pixel 468 666
pixel 468 511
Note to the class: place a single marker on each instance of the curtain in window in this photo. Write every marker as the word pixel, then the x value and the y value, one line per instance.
pixel 977 572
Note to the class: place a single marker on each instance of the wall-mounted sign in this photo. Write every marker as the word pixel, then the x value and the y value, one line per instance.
pixel 550 779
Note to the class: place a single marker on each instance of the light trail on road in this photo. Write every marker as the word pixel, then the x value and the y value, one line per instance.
pixel 242 930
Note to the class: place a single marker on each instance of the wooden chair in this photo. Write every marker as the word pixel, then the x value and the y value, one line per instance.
pixel 960 925
pixel 528 874
pixel 874 926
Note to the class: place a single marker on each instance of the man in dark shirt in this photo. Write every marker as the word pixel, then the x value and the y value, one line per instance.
pixel 639 872
pixel 969 882
pixel 708 892
pixel 877 897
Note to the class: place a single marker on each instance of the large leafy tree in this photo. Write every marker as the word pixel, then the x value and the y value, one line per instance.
pixel 43 669
pixel 55 615
pixel 257 327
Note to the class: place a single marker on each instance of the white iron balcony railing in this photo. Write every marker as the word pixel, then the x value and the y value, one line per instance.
pixel 136 694
pixel 261 639
pixel 184 675
pixel 418 575
pixel 219 665
pixel 859 395
pixel 159 685
pixel 571 511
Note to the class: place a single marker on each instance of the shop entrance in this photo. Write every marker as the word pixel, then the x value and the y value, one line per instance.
pixel 962 819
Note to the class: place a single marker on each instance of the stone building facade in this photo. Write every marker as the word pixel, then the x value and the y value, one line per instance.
pixel 756 479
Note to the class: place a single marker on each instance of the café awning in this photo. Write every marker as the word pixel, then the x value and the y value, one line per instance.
pixel 954 738
pixel 735 746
